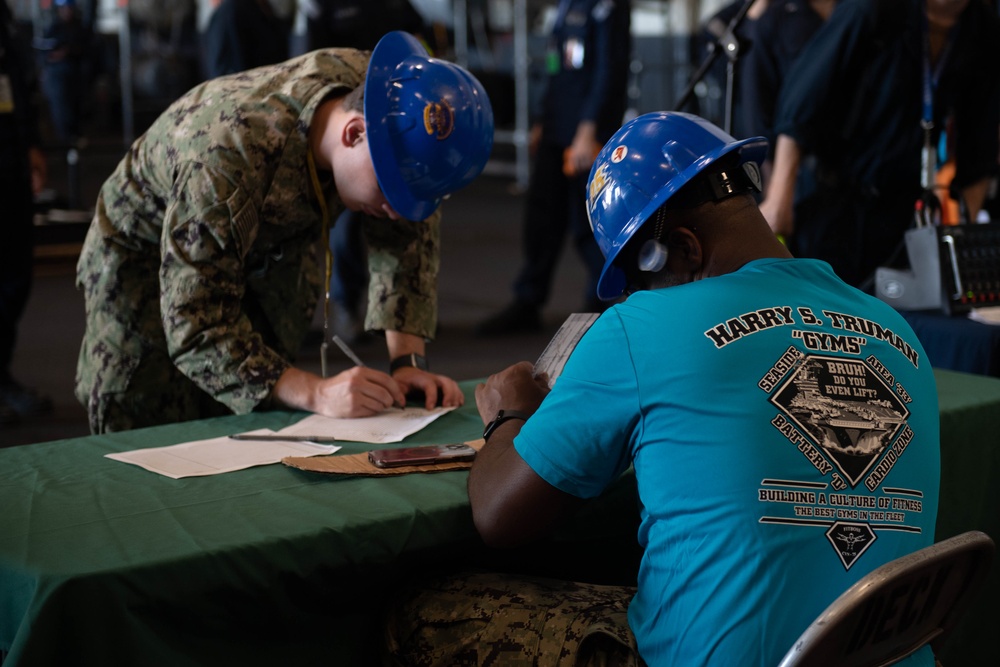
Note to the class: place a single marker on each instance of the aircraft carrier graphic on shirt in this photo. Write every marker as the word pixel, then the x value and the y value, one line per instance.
pixel 845 416
pixel 845 408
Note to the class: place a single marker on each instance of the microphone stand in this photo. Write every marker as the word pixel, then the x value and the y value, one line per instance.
pixel 729 44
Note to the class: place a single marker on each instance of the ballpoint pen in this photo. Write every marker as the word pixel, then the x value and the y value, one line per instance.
pixel 274 437
pixel 347 350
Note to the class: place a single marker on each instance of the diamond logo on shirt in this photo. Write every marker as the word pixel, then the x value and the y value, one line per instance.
pixel 845 409
pixel 850 540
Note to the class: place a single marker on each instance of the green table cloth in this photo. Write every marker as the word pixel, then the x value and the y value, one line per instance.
pixel 105 563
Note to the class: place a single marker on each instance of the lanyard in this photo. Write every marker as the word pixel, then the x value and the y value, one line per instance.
pixel 931 78
pixel 325 214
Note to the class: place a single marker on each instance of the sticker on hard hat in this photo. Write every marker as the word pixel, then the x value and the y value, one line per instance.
pixel 439 119
pixel 619 154
pixel 597 184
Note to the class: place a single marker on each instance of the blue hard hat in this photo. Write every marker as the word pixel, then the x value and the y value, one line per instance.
pixel 642 166
pixel 429 124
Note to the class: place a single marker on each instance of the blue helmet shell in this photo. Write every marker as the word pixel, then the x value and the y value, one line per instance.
pixel 429 125
pixel 644 164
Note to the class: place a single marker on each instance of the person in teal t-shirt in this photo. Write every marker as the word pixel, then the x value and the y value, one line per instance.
pixel 782 425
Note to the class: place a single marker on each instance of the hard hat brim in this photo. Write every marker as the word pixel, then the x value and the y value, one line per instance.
pixel 612 281
pixel 391 50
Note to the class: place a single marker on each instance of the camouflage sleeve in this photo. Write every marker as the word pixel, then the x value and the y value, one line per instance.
pixel 208 229
pixel 403 260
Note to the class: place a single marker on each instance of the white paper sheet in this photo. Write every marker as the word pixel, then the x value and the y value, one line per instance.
pixel 388 426
pixel 555 355
pixel 986 314
pixel 217 455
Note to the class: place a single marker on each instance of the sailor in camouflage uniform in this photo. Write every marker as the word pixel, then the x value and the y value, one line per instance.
pixel 200 270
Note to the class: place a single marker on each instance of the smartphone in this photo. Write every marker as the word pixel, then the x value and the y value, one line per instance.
pixel 414 456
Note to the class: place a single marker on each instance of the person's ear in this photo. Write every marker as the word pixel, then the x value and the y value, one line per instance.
pixel 354 132
pixel 685 249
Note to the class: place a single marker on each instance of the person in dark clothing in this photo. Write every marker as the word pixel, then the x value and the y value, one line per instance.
pixel 711 102
pixel 64 46
pixel 357 24
pixel 779 35
pixel 862 110
pixel 22 172
pixel 243 34
pixel 584 104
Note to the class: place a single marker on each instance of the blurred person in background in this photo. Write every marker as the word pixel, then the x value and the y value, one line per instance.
pixel 711 101
pixel 584 103
pixel 779 35
pixel 22 175
pixel 243 34
pixel 859 120
pixel 63 47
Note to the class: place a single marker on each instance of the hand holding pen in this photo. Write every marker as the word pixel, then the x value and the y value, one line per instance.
pixel 357 392
pixel 349 353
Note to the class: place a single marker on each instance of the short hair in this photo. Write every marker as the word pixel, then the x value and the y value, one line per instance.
pixel 355 100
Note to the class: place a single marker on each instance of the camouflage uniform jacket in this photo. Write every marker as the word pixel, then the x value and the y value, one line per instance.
pixel 202 254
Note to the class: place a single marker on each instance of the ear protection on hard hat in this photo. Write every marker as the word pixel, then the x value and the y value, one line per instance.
pixel 652 256
pixel 643 166
pixel 652 253
pixel 429 125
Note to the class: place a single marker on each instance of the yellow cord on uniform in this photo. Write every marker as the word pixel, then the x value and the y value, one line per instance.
pixel 325 215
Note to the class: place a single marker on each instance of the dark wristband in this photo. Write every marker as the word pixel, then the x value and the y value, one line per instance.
pixel 502 416
pixel 408 360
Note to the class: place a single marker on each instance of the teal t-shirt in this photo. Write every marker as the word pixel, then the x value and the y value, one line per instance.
pixel 784 432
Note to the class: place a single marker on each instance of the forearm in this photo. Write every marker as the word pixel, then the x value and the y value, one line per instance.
pixel 784 171
pixel 295 390
pixel 399 344
pixel 584 149
pixel 777 207
pixel 974 196
pixel 511 504
pixel 357 392
pixel 488 479
pixel 586 132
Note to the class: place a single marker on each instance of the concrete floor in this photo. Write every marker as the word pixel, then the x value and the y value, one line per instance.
pixel 480 257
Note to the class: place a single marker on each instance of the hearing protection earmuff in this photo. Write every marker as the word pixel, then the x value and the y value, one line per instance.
pixel 653 254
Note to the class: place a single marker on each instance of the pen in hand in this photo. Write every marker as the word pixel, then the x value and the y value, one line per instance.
pixel 347 350
pixel 277 437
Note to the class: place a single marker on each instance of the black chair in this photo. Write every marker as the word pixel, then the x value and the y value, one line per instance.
pixel 897 608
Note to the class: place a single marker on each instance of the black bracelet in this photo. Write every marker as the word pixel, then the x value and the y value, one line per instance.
pixel 502 416
pixel 408 360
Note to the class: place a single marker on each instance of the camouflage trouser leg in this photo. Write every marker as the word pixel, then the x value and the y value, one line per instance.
pixel 496 620
pixel 123 392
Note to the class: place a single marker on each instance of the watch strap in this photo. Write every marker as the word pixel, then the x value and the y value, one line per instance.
pixel 503 416
pixel 408 360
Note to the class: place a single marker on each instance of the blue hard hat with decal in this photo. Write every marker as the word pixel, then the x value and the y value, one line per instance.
pixel 429 125
pixel 642 166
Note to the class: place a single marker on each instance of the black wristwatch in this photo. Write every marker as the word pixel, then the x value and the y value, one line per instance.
pixel 407 360
pixel 502 416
